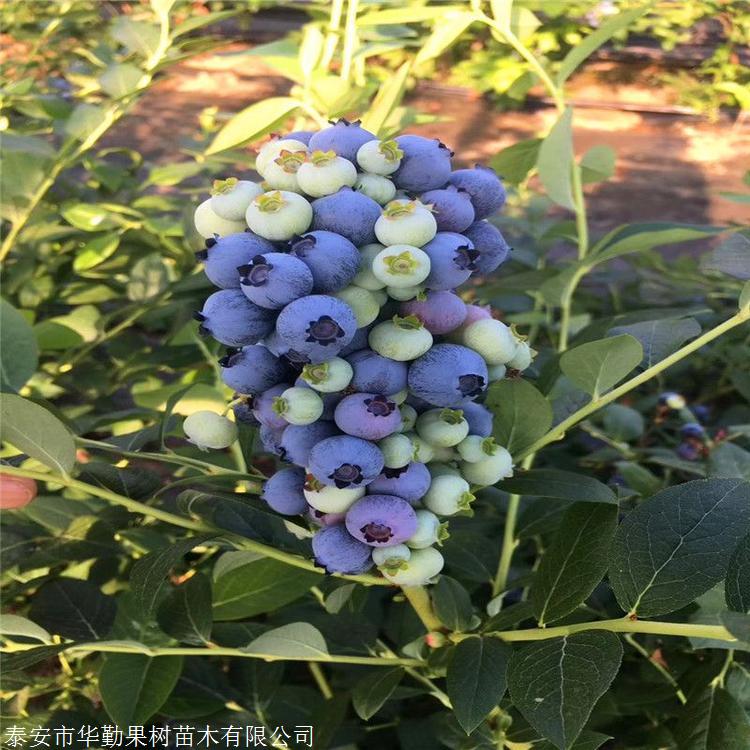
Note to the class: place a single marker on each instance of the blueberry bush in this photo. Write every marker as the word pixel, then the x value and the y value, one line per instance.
pixel 346 433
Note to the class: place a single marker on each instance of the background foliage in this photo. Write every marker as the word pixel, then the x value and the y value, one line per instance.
pixel 142 557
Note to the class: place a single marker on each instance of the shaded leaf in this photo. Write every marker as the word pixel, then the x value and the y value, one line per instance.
pixel 372 691
pixel 565 485
pixel 597 164
pixel 452 604
pixel 729 460
pixel 623 423
pixel 25 659
pixel 298 640
pixel 20 626
pixel 185 613
pixel 19 354
pixel 660 338
pixel 555 162
pixel 677 545
pixel 713 720
pixel 731 257
pixel 737 583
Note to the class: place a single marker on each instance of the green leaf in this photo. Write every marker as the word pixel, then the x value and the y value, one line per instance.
pixel 245 585
pixel 96 251
pixel 556 683
pixel 20 626
pixel 130 482
pixel 84 120
pixel 173 174
pixel 566 485
pixel 598 365
pixel 452 604
pixel 623 423
pixel 738 624
pixel 185 613
pixel 592 42
pixel 476 679
pixel 386 100
pixel 737 583
pixel 522 414
pixel 197 22
pixel 162 7
pixel 598 164
pixel 555 163
pixel 447 29
pixel 139 37
pixel 88 217
pixel 120 80
pixel 298 640
pixel 744 300
pixel 713 720
pixel 515 163
pixel 372 691
pixel 19 354
pixel 575 561
pixel 587 740
pixel 406 15
pixel 148 277
pixel 25 659
pixel 732 257
pixel 729 460
pixel 134 687
pixel 633 238
pixel 74 609
pixel 677 545
pixel 36 432
pixel 148 575
pixel 660 338
pixel 252 123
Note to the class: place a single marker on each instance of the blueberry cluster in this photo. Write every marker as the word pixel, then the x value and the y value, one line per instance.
pixel 359 361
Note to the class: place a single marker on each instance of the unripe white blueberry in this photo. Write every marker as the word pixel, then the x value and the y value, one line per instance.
pixel 442 428
pixel 298 405
pixel 380 295
pixel 405 222
pixel 423 565
pixel 328 377
pixel 522 358
pixel 379 157
pixel 397 451
pixel 404 294
pixel 408 417
pixel 330 499
pixel 492 339
pixel 401 266
pixel 475 448
pixel 496 372
pixel 400 396
pixel 272 150
pixel 207 429
pixel 365 277
pixel 429 531
pixel 279 215
pixel 490 469
pixel 380 189
pixel 422 450
pixel 391 557
pixel 208 223
pixel 443 454
pixel 325 173
pixel 402 339
pixel 363 303
pixel 439 469
pixel 281 173
pixel 448 495
pixel 231 197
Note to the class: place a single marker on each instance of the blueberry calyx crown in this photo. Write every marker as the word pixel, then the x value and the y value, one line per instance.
pixel 400 208
pixel 466 258
pixel 280 406
pixel 452 416
pixel 312 484
pixel 378 533
pixel 229 358
pixel 380 406
pixel 403 263
pixel 321 158
pixel 315 374
pixel 201 254
pixel 390 473
pixel 489 446
pixel 324 331
pixel 470 384
pixel 465 501
pixel 347 123
pixel 300 246
pixel 346 474
pixel 443 533
pixel 291 161
pixel 256 272
pixel 270 202
pixel 390 150
pixel 221 187
pixel 407 323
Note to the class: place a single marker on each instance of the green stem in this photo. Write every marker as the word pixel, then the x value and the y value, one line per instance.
pixel 419 599
pixel 630 638
pixel 558 432
pixel 509 538
pixel 320 679
pixel 105 647
pixel 580 211
pixel 332 37
pixel 622 625
pixel 239 542
pixel 350 39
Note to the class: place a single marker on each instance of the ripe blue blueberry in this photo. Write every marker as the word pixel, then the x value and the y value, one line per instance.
pixel 222 257
pixel 263 407
pixel 440 311
pixel 337 551
pixel 367 415
pixel 408 482
pixel 298 440
pixel 317 326
pixel 359 342
pixel 252 369
pixel 331 258
pixel 270 439
pixel 374 373
pixel 345 461
pixel 448 375
pixel 233 320
pixel 381 520
pixel 243 414
pixel 303 136
pixel 452 260
pixel 693 430
pixel 490 244
pixel 451 207
pixel 425 165
pixel 484 186
pixel 343 137
pixel 283 492
pixel 273 280
pixel 348 213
